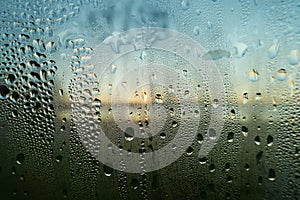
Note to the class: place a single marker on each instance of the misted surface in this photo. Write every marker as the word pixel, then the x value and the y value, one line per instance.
pixel 243 94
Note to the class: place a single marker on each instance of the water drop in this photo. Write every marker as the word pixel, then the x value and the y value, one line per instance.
pixel 230 137
pixel 245 98
pixel 129 134
pixel 162 135
pixel 253 75
pixel 174 124
pixel 240 49
pixel 196 30
pixel 257 140
pixel 10 79
pixel 215 103
pixel 202 160
pixel 50 47
pixel 113 68
pixel 245 131
pixel 216 54
pixel 212 134
pixel 281 74
pixel 270 140
pixel 134 183
pixel 227 167
pixel 107 170
pixel 273 50
pixel 62 128
pixel 200 138
pixel 259 156
pixel 291 83
pixel 61 92
pixel 209 24
pixel 247 167
pixel 58 158
pixel 189 150
pixel 143 55
pixel 185 4
pixel 258 96
pixel 158 98
pixel 272 175
pixel 293 57
pixel 212 168
pixel 20 158
pixel 4 91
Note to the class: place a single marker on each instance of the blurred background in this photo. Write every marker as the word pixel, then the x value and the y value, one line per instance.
pixel 255 45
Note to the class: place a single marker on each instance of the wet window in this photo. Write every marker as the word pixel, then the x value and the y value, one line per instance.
pixel 153 99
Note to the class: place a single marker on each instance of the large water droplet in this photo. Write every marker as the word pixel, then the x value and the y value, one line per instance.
pixel 4 91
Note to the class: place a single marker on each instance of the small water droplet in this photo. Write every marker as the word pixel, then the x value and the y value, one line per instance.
pixel 113 68
pixel 259 156
pixel 202 160
pixel 245 131
pixel 134 183
pixel 174 124
pixel 215 103
pixel 281 74
pixel 189 150
pixel 209 25
pixel 62 128
pixel 200 138
pixel 230 137
pixel 129 134
pixel 162 135
pixel 253 75
pixel 294 57
pixel 212 134
pixel 158 98
pixel 61 92
pixel 273 50
pixel 58 158
pixel 20 158
pixel 124 84
pixel 257 140
pixel 185 4
pixel 258 96
pixel 245 97
pixel 270 140
pixel 227 167
pixel 212 168
pixel 247 167
pixel 196 30
pixel 272 175
pixel 107 170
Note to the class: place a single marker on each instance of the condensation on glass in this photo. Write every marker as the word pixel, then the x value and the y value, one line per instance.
pixel 255 45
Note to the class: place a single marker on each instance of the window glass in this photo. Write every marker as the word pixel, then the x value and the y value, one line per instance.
pixel 153 99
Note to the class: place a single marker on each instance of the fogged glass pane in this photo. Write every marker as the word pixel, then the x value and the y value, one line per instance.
pixel 153 99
